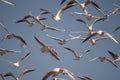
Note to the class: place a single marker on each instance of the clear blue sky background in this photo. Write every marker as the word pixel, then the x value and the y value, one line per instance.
pixel 45 62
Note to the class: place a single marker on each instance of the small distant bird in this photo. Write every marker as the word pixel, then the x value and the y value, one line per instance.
pixel 20 75
pixel 8 2
pixel 56 71
pixel 44 27
pixel 88 16
pixel 93 41
pixel 102 33
pixel 58 78
pixel 46 48
pixel 12 35
pixel 105 16
pixel 116 29
pixel 102 59
pixel 57 17
pixel 77 57
pixel 90 27
pixel 116 10
pixel 84 78
pixel 63 41
pixel 17 63
pixel 115 56
pixel 31 23
pixel 27 21
pixel 4 51
pixel 83 5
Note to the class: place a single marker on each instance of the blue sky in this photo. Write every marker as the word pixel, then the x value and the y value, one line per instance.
pixel 45 62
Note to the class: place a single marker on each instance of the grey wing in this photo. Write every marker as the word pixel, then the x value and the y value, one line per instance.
pixel 55 38
pixel 26 71
pixel 62 2
pixel 9 74
pixel 80 20
pixel 115 56
pixel 54 54
pixel 73 51
pixel 25 56
pixel 113 63
pixel 20 38
pixel 47 75
pixel 113 38
pixel 40 42
pixel 91 35
pixel 70 74
pixel 55 29
pixel 8 2
pixel 116 29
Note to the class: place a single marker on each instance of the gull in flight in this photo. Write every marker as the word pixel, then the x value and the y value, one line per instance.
pixel 63 41
pixel 8 2
pixel 4 51
pixel 77 57
pixel 102 33
pixel 58 15
pixel 56 71
pixel 43 26
pixel 12 35
pixel 47 49
pixel 102 59
pixel 31 23
pixel 20 75
pixel 90 27
pixel 115 56
pixel 17 63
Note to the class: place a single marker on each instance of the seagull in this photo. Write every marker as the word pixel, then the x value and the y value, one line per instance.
pixel 17 63
pixel 83 5
pixel 20 75
pixel 8 2
pixel 77 57
pixel 102 33
pixel 57 17
pixel 115 56
pixel 31 23
pixel 88 16
pixel 102 59
pixel 63 41
pixel 4 51
pixel 27 21
pixel 48 49
pixel 56 71
pixel 100 11
pixel 115 10
pixel 93 41
pixel 90 27
pixel 12 35
pixel 84 78
pixel 44 27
